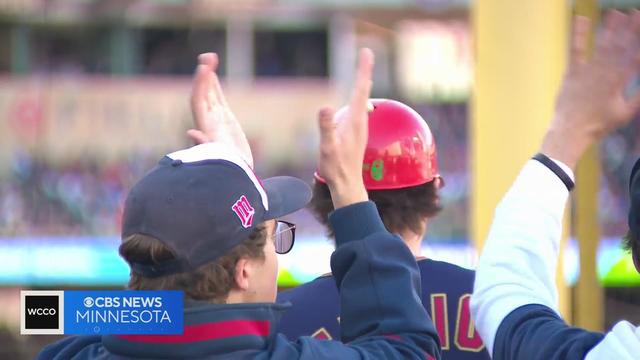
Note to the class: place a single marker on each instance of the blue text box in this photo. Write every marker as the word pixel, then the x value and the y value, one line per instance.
pixel 124 312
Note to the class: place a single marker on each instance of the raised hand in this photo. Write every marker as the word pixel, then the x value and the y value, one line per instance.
pixel 342 144
pixel 212 115
pixel 592 100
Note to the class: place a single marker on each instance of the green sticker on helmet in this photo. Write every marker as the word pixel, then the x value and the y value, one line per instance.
pixel 377 168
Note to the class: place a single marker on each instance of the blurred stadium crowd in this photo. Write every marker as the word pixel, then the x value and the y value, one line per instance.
pixel 84 196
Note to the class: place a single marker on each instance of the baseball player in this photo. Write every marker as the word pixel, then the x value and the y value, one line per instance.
pixel 202 222
pixel 514 304
pixel 400 173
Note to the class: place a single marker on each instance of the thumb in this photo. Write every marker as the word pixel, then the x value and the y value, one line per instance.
pixel 197 136
pixel 327 126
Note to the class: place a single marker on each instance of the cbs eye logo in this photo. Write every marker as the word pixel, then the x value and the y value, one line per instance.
pixel 88 302
pixel 41 312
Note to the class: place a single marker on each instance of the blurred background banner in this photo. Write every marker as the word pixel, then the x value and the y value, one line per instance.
pixel 63 119
pixel 94 92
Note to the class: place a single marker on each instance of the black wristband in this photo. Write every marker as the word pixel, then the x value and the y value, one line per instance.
pixel 551 165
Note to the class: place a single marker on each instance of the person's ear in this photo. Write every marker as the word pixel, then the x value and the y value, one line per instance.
pixel 241 277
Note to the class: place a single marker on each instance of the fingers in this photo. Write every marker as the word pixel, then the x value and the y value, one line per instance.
pixel 618 47
pixel 209 59
pixel 634 52
pixel 362 87
pixel 580 40
pixel 608 38
pixel 622 52
pixel 327 127
pixel 635 21
pixel 200 80
pixel 215 95
pixel 206 93
pixel 359 104
pixel 216 91
pixel 625 41
pixel 615 19
pixel 199 94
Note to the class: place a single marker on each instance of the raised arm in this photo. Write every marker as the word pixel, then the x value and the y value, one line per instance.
pixel 369 262
pixel 382 316
pixel 514 304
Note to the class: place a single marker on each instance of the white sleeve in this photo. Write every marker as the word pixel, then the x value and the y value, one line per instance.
pixel 518 263
pixel 621 343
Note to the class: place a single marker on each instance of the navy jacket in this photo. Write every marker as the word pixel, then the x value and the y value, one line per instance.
pixel 446 290
pixel 369 264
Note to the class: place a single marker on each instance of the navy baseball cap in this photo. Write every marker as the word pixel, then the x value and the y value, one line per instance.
pixel 203 201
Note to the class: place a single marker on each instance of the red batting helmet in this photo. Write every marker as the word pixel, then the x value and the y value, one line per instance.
pixel 401 151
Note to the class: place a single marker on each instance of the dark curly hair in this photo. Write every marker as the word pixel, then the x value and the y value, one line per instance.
pixel 631 243
pixel 400 209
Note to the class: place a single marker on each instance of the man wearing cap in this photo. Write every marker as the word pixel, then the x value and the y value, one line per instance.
pixel 203 223
pixel 514 304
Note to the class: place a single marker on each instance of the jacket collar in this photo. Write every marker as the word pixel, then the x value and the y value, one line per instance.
pixel 209 329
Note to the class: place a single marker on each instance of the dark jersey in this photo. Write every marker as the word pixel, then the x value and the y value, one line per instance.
pixel 446 291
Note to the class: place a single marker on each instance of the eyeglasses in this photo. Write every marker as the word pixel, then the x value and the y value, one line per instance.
pixel 284 236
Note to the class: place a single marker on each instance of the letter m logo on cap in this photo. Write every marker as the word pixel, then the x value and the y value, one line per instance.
pixel 244 211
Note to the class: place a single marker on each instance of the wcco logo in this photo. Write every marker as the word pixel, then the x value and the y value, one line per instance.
pixel 41 312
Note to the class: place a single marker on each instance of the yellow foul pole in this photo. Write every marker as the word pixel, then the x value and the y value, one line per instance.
pixel 588 295
pixel 520 56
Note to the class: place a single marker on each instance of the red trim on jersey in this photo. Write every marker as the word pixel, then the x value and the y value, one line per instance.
pixel 208 331
pixel 393 337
